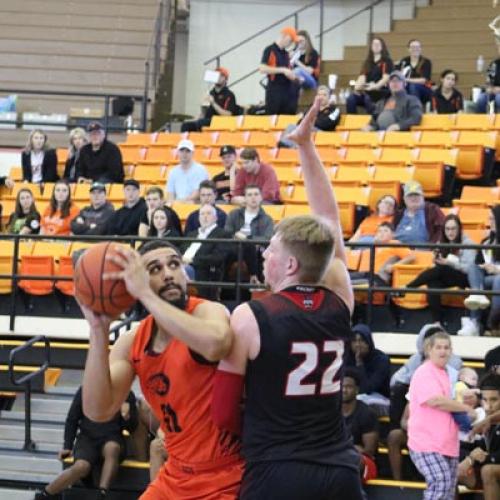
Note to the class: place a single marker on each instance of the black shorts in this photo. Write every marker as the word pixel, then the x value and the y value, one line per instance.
pixel 295 480
pixel 90 450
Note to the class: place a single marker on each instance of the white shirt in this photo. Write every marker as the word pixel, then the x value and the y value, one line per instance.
pixel 249 217
pixel 36 166
pixel 195 246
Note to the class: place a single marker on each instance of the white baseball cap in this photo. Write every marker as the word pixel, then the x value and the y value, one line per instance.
pixel 185 144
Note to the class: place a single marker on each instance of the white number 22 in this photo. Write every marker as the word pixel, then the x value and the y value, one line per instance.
pixel 310 350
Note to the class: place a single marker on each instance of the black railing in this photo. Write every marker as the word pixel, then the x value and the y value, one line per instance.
pixel 25 380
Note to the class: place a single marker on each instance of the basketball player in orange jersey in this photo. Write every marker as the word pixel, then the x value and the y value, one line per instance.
pixel 287 354
pixel 173 352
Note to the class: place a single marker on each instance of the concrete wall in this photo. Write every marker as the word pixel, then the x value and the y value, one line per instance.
pixel 215 25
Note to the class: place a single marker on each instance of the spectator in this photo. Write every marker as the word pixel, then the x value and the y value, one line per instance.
pixel 155 199
pixel 125 221
pixel 492 360
pixel 94 218
pixel 219 101
pixel 432 432
pixel 208 194
pixel 25 219
pixel 206 260
pixel 250 222
pixel 397 439
pixel 57 217
pixel 450 269
pixel 419 221
pixel 492 92
pixel 482 466
pixel 101 160
pixel 371 85
pixel 362 424
pixel 485 274
pixel 398 111
pixel 306 61
pixel 384 212
pixel 446 99
pixel 157 454
pixel 373 366
pixel 77 139
pixel 161 225
pixel 92 443
pixel 417 71
pixel 385 258
pixel 39 160
pixel 281 89
pixel 224 182
pixel 255 173
pixel 184 179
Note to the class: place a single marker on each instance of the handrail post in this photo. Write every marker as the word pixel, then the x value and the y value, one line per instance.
pixel 29 445
pixel 106 113
pixel 13 295
pixel 370 24
pixel 321 26
pixel 296 21
pixel 145 98
pixel 391 14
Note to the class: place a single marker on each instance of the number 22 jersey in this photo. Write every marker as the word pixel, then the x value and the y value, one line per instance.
pixel 293 407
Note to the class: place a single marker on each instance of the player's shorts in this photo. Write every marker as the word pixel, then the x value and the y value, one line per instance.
pixel 294 480
pixel 176 481
pixel 90 450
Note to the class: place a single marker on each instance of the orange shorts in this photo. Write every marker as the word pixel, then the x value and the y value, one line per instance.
pixel 176 482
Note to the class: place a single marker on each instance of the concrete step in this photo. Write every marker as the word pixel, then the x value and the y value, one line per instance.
pixel 444 12
pixel 18 445
pixel 412 26
pixel 11 494
pixel 14 431
pixel 38 417
pixel 30 463
pixel 48 404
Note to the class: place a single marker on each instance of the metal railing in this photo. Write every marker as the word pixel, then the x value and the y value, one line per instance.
pixel 25 380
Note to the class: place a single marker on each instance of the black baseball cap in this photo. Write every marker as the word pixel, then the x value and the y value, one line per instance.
pixel 94 126
pixel 227 150
pixel 97 186
pixel 132 182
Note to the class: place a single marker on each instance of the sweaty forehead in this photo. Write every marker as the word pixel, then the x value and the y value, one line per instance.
pixel 160 254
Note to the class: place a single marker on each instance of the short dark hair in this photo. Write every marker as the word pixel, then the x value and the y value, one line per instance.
pixel 208 184
pixel 155 190
pixel 413 40
pixel 354 374
pixel 252 186
pixel 490 382
pixel 249 154
pixel 447 72
pixel 149 246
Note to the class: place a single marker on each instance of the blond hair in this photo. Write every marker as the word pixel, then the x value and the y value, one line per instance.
pixel 431 340
pixel 311 241
pixel 29 145
pixel 76 132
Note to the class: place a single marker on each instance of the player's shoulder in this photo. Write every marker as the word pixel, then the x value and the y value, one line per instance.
pixel 123 346
pixel 206 308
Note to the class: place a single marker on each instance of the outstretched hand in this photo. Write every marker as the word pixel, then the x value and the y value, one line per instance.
pixel 303 132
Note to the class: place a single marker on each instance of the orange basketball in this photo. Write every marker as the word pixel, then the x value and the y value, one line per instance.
pixel 108 297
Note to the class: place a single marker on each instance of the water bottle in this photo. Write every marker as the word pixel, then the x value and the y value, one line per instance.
pixel 480 64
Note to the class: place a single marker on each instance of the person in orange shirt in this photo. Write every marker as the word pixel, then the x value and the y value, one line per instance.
pixel 385 258
pixel 57 217
pixel 174 353
pixel 384 212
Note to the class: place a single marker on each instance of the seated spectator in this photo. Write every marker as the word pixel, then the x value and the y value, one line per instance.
pixel 39 160
pixel 224 182
pixel 419 221
pixel 250 222
pixel 219 101
pixel 155 199
pixel 100 160
pixel 450 269
pixel 208 194
pixel 255 173
pixel 397 439
pixel 492 360
pixel 25 219
pixel 481 468
pixel 492 92
pixel 398 111
pixel 384 212
pixel 206 260
pixel 91 444
pixel 417 70
pixel 446 99
pixel 184 179
pixel 77 139
pixel 485 274
pixel 161 225
pixel 385 258
pixel 362 424
pixel 306 61
pixel 373 366
pixel 125 221
pixel 371 84
pixel 94 218
pixel 57 217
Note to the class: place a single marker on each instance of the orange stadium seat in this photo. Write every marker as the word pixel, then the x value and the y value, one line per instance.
pixel 228 123
pixel 350 173
pixel 81 192
pixel 328 139
pixel 283 121
pixel 143 139
pixel 353 122
pixel 395 156
pixel 16 173
pixel 62 155
pixel 133 155
pixel 257 122
pixel 286 158
pixel 475 218
pixel 48 189
pixel 167 140
pixel 184 209
pixel 353 259
pixel 6 268
pixel 467 121
pixel 8 206
pixel 159 156
pixel 34 188
pixel 201 139
pixel 236 139
pixel 37 265
pixel 65 269
pixel 362 139
pixel 391 174
pixel 150 174
pixel 445 156
pixel 431 177
pixel 292 210
pixel 398 139
pixel 290 175
pixel 258 139
pixel 382 188
pixel 435 139
pixel 478 196
pixel 470 162
pixel 274 211
pixel 431 121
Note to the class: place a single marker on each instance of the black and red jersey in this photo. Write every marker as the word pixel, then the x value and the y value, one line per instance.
pixel 293 387
pixel 276 57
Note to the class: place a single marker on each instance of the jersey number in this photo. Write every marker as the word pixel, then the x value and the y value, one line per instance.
pixel 328 385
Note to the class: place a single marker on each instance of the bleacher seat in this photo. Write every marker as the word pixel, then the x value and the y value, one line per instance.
pixel 468 121
pixel 227 123
pixel 431 121
pixel 167 140
pixel 37 265
pixel 257 122
pixel 12 194
pixel 259 139
pixel 159 156
pixel 361 139
pixel 328 139
pixel 236 139
pixel 65 269
pixel 353 122
pixel 400 139
pixel 142 139
pixel 283 121
pixel 435 139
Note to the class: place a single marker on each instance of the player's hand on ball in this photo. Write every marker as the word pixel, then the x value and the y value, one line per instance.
pixel 99 323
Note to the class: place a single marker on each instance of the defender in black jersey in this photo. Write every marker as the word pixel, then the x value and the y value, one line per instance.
pixel 288 356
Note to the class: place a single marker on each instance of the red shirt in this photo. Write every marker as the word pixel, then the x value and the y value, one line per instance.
pixel 178 388
pixel 265 178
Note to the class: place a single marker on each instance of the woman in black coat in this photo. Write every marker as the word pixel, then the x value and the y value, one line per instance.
pixel 39 160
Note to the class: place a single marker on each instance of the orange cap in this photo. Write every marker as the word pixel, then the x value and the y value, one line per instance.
pixel 291 32
pixel 223 71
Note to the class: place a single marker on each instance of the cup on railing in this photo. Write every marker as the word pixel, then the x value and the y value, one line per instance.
pixel 332 81
pixel 476 92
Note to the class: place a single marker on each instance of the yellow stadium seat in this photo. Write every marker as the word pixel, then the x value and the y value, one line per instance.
pixel 293 210
pixel 353 122
pixel 366 156
pixel 115 193
pixel 258 139
pixel 34 188
pixel 476 235
pixel 202 154
pixel 351 194
pixel 348 173
pixel 6 268
pixel 8 206
pixel 267 155
pixel 470 162
pixel 467 121
pixel 353 259
pixel 291 175
pixel 16 173
pixel 62 155
pixel 167 140
pixel 478 196
pixel 133 155
pixel 228 123
pixel 297 195
pixel 213 170
pixel 445 156
pixel 274 211
pixel 331 156
pixel 431 177
pixel 184 209
pixel 286 158
pixel 236 139
pixel 159 156
pixel 431 121
pixel 347 211
pixel 81 192
pixel 143 139
pixel 257 122
pixel 150 175
pixel 395 156
pixel 398 139
pixel 474 217
pixel 201 139
pixel 470 138
pixel 382 188
pixel 7 248
pixel 80 245
pixel 391 174
pixel 283 121
pixel 48 189
pixel 362 139
pixel 435 139
pixel 55 249
pixel 331 139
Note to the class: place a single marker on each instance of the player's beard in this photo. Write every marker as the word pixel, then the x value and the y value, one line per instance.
pixel 180 302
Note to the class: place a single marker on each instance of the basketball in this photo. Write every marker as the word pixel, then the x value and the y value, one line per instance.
pixel 108 297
